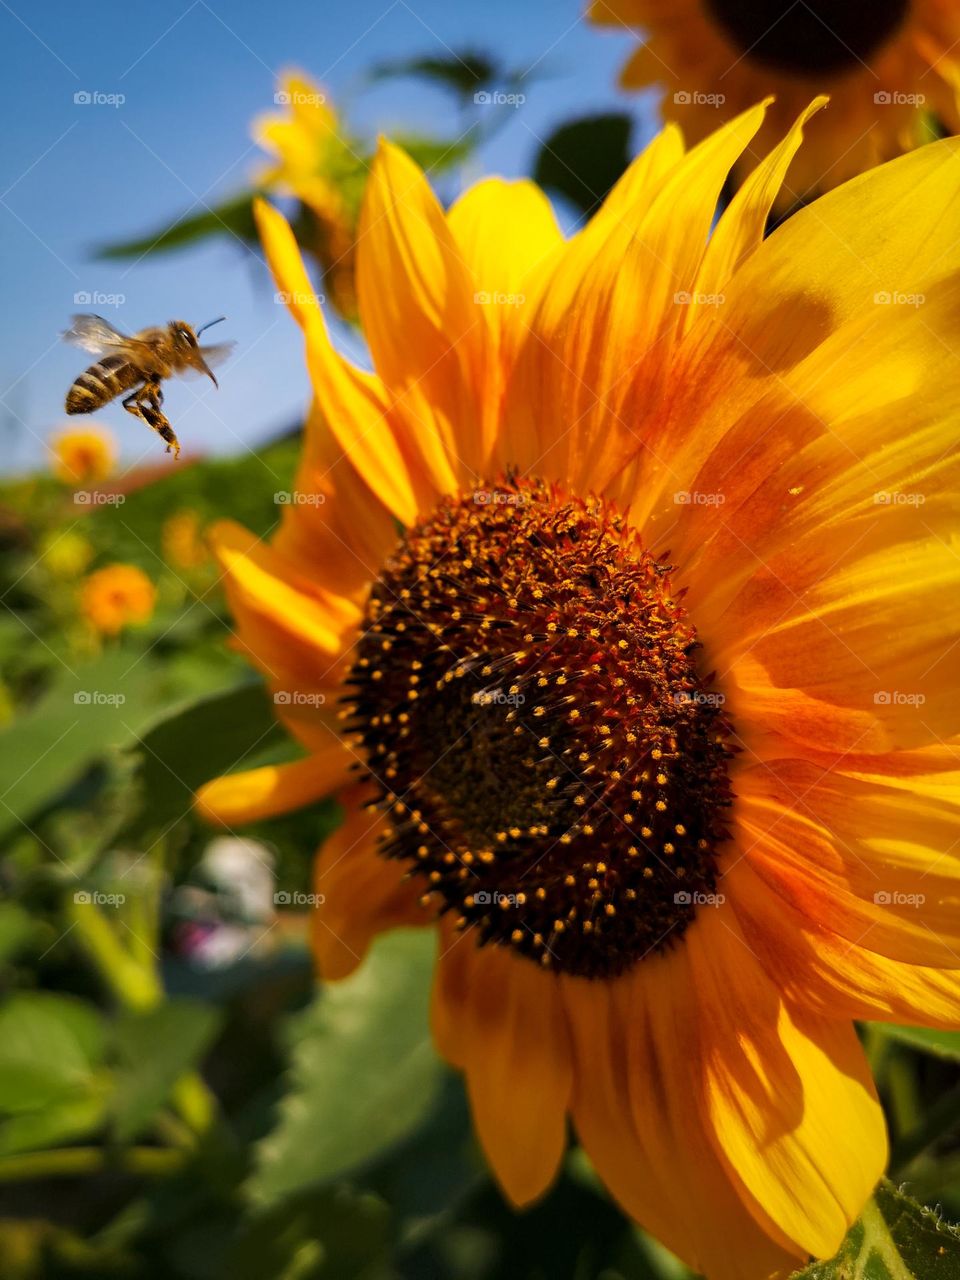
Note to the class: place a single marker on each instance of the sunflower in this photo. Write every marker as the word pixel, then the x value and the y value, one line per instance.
pixel 83 457
pixel 627 573
pixel 117 596
pixel 887 66
pixel 316 162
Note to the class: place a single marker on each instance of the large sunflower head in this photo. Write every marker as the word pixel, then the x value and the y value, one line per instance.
pixel 890 67
pixel 615 604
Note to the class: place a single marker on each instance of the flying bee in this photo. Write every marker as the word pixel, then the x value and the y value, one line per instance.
pixel 139 364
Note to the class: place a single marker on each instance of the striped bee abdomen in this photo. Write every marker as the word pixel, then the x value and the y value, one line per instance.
pixel 101 383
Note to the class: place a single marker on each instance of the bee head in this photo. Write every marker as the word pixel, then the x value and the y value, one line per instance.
pixel 188 347
pixel 184 337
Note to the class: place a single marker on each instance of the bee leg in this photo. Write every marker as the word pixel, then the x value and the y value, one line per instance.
pixel 145 404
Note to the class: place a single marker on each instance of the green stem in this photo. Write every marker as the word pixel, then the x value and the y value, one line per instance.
pixel 878 1241
pixel 137 986
pixel 73 1161
pixel 942 1118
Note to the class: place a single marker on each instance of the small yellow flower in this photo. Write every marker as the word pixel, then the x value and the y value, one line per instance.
pixel 182 540
pixel 117 596
pixel 886 66
pixel 319 165
pixel 66 554
pixel 84 456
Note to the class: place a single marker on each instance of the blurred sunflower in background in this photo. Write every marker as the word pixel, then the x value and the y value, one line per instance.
pixel 676 816
pixel 891 68
pixel 116 597
pixel 84 456
pixel 316 161
pixel 183 542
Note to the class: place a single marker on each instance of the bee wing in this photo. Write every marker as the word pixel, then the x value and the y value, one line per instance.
pixel 217 353
pixel 213 355
pixel 93 334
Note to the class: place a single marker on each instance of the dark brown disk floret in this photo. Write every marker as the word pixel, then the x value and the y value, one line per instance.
pixel 527 699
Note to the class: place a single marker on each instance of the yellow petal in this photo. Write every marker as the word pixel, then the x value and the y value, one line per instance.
pixel 257 583
pixel 743 224
pixel 238 798
pixel 601 339
pixel 508 236
pixel 426 334
pixel 637 1115
pixel 353 402
pixel 776 1081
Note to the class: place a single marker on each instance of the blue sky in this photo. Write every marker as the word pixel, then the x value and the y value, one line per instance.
pixel 193 74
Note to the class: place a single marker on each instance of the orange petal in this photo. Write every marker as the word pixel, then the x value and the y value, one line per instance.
pixel 238 798
pixel 362 893
pixel 833 977
pixel 636 1115
pixel 506 1024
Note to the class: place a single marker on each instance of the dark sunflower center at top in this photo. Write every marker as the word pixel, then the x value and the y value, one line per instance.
pixel 809 37
pixel 526 695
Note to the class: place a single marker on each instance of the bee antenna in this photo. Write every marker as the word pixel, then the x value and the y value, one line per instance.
pixel 209 324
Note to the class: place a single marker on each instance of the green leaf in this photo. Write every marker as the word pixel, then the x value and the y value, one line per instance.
pixel 582 160
pixel 50 1047
pixel 942 1044
pixel 895 1239
pixel 199 741
pixel 17 927
pixel 233 217
pixel 63 1120
pixel 364 1072
pixel 76 723
pixel 462 72
pixel 333 1234
pixel 435 155
pixel 153 1050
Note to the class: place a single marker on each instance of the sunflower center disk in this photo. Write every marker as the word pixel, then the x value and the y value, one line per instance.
pixel 809 37
pixel 526 696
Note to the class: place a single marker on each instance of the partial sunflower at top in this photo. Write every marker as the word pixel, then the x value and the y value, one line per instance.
pixel 888 67
pixel 325 169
